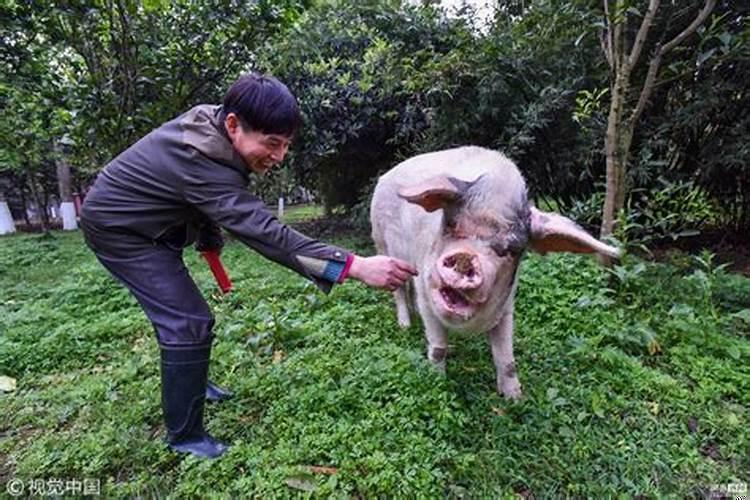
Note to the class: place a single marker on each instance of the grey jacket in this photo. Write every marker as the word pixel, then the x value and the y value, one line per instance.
pixel 175 183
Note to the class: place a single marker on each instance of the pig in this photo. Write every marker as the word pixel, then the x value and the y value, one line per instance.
pixel 463 219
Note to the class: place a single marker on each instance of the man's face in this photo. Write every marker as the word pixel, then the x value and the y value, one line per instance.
pixel 260 151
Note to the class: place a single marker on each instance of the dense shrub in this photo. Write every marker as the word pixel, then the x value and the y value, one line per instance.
pixel 381 80
pixel 363 75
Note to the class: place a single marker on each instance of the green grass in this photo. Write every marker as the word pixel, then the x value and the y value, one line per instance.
pixel 635 384
pixel 299 213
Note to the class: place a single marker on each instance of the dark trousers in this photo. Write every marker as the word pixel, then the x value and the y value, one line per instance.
pixel 159 280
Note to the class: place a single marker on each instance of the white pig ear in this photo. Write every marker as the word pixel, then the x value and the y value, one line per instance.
pixel 551 232
pixel 432 194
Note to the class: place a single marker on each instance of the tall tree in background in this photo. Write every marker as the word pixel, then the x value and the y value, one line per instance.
pixel 117 69
pixel 134 65
pixel 628 96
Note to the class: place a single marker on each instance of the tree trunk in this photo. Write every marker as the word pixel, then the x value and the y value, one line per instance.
pixel 615 167
pixel 24 204
pixel 623 118
pixel 67 207
pixel 41 206
pixel 618 156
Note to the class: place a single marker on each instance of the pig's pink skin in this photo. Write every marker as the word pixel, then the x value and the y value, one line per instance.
pixel 407 231
pixel 415 216
pixel 468 278
pixel 491 274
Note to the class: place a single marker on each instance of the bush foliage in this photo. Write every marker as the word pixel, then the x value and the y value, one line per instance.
pixel 381 80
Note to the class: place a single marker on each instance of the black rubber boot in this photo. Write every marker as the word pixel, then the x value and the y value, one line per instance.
pixel 184 373
pixel 216 394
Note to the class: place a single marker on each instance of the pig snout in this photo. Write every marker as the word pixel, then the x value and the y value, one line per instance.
pixel 461 270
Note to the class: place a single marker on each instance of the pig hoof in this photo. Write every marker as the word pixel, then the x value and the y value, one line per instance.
pixel 404 323
pixel 511 390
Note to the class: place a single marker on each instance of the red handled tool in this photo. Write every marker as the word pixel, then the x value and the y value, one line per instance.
pixel 220 274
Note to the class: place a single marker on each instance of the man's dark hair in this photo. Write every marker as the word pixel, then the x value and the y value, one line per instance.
pixel 264 104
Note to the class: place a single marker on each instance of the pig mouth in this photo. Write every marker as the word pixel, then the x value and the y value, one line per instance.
pixel 455 302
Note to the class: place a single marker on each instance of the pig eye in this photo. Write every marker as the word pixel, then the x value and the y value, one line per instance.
pixel 500 250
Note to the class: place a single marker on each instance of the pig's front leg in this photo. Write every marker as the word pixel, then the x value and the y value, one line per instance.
pixel 437 338
pixel 501 340
pixel 402 309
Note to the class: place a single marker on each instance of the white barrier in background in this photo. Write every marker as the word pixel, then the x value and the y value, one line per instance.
pixel 68 212
pixel 6 219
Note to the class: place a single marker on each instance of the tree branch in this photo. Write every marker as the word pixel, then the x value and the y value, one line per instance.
pixel 618 52
pixel 640 38
pixel 648 87
pixel 606 37
pixel 653 67
pixel 700 19
pixel 603 41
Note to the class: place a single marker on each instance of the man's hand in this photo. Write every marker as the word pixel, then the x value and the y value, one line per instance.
pixel 209 239
pixel 381 271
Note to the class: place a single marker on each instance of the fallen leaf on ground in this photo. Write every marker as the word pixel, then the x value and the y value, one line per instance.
pixel 319 469
pixel 301 483
pixel 653 406
pixel 711 449
pixel 7 384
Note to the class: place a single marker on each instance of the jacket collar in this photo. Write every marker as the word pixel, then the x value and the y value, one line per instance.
pixel 203 130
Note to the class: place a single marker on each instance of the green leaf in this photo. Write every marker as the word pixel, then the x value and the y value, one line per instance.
pixel 743 315
pixel 596 407
pixel 567 432
pixel 154 5
pixel 734 352
pixel 704 56
pixel 634 11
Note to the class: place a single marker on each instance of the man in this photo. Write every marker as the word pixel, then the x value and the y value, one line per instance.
pixel 178 185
